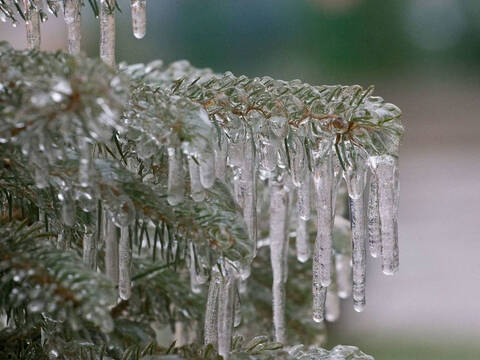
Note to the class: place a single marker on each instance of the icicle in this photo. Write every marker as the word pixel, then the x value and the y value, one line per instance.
pixel 194 278
pixel 90 249
pixel 238 310
pixel 332 304
pixel 211 327
pixel 318 306
pixel 387 174
pixel 176 185
pixel 107 31
pixel 322 259
pixel 302 241
pixel 226 300
pixel 139 18
pixel 278 252
pixel 110 234
pixel 374 237
pixel 32 23
pixel 207 169
pixel 220 160
pixel 73 20
pixel 196 189
pixel 68 209
pixel 124 264
pixel 358 220
pixel 248 184
pixel 343 275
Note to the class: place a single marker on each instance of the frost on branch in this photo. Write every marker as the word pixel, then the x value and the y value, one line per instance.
pixel 153 150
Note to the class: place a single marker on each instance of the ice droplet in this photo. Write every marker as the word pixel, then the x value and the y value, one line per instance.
pixel 72 16
pixel 107 31
pixel 124 264
pixel 139 18
pixel 278 254
pixel 176 179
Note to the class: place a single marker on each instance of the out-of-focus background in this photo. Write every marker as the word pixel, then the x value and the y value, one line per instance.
pixel 424 56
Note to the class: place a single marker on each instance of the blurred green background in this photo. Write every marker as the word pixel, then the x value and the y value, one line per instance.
pixel 424 56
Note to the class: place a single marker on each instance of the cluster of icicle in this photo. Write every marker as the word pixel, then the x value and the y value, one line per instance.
pixel 291 140
pixel 32 12
pixel 296 142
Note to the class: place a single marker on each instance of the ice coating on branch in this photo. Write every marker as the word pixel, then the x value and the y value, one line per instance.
pixel 124 264
pixel 226 304
pixel 278 254
pixel 386 169
pixel 139 18
pixel 32 23
pixel 72 16
pixel 176 178
pixel 196 189
pixel 339 352
pixel 107 31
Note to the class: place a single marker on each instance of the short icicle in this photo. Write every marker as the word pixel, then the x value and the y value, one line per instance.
pixel 207 169
pixel 107 31
pixel 226 304
pixel 278 253
pixel 176 178
pixel 32 23
pixel 196 189
pixel 90 249
pixel 211 313
pixel 124 264
pixel 302 242
pixel 139 18
pixel 110 234
pixel 72 16
pixel 388 187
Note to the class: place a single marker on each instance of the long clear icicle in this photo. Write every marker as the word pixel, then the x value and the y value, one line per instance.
pixel 139 18
pixel 322 256
pixel 72 18
pixel 226 304
pixel 278 253
pixel 211 312
pixel 32 23
pixel 110 235
pixel 90 249
pixel 196 189
pixel 358 219
pixel 107 31
pixel 124 264
pixel 302 242
pixel 248 183
pixel 373 217
pixel 176 178
pixel 388 187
